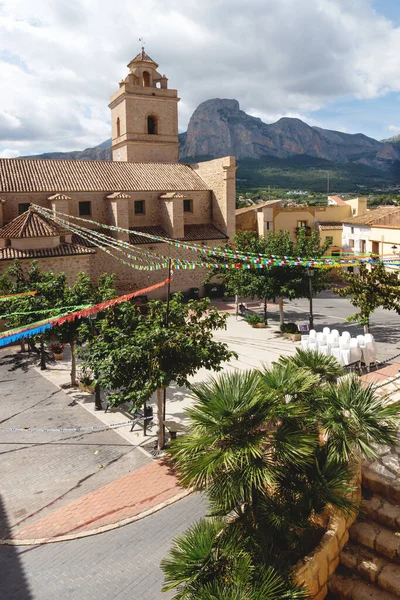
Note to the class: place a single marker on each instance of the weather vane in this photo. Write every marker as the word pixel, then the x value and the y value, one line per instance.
pixel 143 42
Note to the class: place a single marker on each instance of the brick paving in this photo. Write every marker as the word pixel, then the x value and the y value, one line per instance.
pixel 122 499
pixel 40 473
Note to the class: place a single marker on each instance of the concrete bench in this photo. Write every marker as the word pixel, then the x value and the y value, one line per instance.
pixel 174 427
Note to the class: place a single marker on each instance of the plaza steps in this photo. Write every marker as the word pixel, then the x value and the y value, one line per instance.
pixel 370 562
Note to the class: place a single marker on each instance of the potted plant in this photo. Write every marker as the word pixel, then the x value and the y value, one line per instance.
pixel 57 349
pixel 255 321
pixel 86 382
pixel 290 331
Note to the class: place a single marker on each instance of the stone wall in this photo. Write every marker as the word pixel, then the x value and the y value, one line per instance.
pixel 315 569
pixel 71 265
pixel 220 176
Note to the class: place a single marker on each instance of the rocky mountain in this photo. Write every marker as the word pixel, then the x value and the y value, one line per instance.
pixel 219 128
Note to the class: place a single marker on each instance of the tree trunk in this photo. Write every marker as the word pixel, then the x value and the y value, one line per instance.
pixel 281 313
pixel 366 327
pixel 73 363
pixel 160 417
pixel 265 311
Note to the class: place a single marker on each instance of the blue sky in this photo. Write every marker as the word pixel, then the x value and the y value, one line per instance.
pixel 332 63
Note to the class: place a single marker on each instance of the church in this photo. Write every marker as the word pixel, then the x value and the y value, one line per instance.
pixel 144 190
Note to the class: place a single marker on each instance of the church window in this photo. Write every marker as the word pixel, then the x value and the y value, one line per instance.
pixel 85 209
pixel 151 125
pixel 139 207
pixel 188 206
pixel 23 207
pixel 118 127
pixel 146 79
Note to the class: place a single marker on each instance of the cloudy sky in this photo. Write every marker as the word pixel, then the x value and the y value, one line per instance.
pixel 333 63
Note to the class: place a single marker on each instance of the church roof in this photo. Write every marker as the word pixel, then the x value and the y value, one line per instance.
pixel 38 175
pixel 10 253
pixel 31 225
pixel 193 233
pixel 143 57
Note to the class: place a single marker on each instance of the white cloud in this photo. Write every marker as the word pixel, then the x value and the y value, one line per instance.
pixel 8 153
pixel 394 128
pixel 60 61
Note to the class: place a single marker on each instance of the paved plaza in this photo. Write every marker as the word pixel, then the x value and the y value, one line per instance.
pixel 73 484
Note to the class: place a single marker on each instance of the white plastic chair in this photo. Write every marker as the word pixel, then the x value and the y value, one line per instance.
pixel 313 345
pixel 312 334
pixel 335 333
pixel 361 341
pixel 337 353
pixel 305 340
pixel 355 351
pixel 344 343
pixel 324 349
pixel 321 337
pixel 369 351
pixel 326 331
pixel 346 335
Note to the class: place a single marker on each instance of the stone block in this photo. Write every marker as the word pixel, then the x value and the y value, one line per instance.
pixel 389 578
pixel 388 543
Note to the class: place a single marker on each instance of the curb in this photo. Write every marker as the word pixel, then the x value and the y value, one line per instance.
pixel 104 529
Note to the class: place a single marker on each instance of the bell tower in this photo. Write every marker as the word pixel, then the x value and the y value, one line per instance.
pixel 144 115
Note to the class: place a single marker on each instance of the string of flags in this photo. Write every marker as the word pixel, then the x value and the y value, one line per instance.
pixel 39 327
pixel 13 296
pixel 233 259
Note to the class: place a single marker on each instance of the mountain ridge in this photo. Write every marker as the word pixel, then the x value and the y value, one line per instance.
pixel 218 127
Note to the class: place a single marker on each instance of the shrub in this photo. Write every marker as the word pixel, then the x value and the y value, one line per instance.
pixel 289 328
pixel 254 319
pixel 57 348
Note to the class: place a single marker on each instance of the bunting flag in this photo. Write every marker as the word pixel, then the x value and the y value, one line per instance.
pixel 62 309
pixel 13 335
pixel 12 296
pixel 233 258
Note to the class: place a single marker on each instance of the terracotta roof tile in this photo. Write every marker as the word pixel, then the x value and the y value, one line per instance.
pixel 31 225
pixel 192 233
pixel 383 215
pixel 255 207
pixel 38 175
pixel 142 57
pixel 9 253
pixel 142 239
pixel 331 225
pixel 59 197
pixel 118 196
pixel 338 200
pixel 203 232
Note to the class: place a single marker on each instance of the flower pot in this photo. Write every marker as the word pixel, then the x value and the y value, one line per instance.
pixel 258 326
pixel 296 337
pixel 58 356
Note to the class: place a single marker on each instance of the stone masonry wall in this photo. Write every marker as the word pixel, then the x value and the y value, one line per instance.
pixel 71 265
pixel 220 176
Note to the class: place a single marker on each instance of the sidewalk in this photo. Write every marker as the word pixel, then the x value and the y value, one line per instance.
pixel 138 494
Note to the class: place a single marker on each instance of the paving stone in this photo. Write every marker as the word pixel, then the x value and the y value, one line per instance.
pixel 389 578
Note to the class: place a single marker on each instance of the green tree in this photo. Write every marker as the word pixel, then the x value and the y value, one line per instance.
pixel 276 281
pixel 50 290
pixel 135 354
pixel 271 450
pixel 371 288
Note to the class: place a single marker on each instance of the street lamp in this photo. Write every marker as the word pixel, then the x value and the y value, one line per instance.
pixel 310 274
pixel 97 398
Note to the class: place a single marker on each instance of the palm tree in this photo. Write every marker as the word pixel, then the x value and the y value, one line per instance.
pixel 271 449
pixel 325 367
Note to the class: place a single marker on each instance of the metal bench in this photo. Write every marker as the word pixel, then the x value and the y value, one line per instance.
pixel 174 427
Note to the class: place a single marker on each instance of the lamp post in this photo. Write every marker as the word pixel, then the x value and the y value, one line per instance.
pixel 97 398
pixel 310 274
